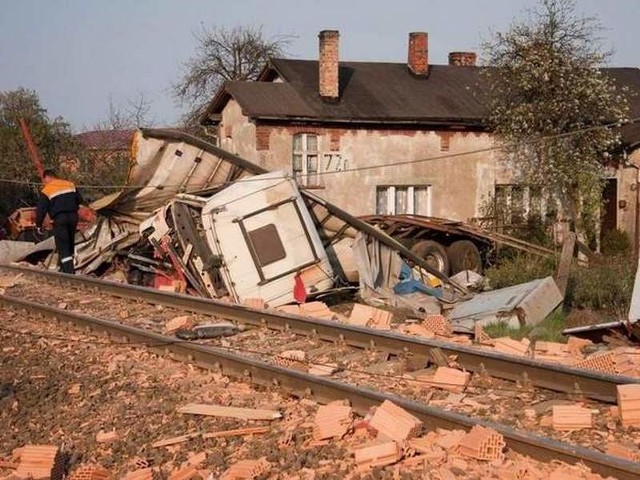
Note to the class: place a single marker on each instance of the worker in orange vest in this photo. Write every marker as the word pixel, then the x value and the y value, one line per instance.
pixel 61 200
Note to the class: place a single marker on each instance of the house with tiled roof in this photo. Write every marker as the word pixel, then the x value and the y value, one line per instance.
pixel 392 138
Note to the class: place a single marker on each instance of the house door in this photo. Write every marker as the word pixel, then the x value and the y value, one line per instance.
pixel 609 218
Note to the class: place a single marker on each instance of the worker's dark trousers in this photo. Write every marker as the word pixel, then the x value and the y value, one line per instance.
pixel 64 232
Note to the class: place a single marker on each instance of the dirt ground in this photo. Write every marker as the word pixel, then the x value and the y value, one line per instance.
pixel 61 386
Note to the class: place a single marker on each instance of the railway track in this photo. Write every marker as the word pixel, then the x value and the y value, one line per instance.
pixel 325 390
pixel 559 378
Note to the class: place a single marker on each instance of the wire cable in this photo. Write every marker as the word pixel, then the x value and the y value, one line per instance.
pixel 362 168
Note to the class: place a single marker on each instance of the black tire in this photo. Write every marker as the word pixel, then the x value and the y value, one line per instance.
pixel 464 255
pixel 434 254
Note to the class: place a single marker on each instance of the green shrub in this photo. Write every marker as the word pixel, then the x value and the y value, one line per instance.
pixel 615 243
pixel 607 287
pixel 519 269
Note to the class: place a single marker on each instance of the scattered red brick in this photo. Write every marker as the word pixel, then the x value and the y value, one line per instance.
pixel 246 469
pixel 39 462
pixel 438 324
pixel 571 417
pixel 483 444
pixel 394 422
pixel 292 359
pixel 90 472
pixel 451 379
pixel 629 404
pixel 140 474
pixel 316 310
pixel 257 303
pixel 365 315
pixel 183 322
pixel 106 437
pixel 510 346
pixel 377 454
pixel 332 421
pixel 627 452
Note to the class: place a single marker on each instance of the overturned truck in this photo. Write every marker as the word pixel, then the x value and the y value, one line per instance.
pixel 197 219
pixel 198 216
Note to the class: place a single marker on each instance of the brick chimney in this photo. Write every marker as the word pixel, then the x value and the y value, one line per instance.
pixel 462 59
pixel 328 74
pixel 418 61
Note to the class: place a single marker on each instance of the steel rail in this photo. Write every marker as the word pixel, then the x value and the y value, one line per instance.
pixel 325 390
pixel 561 378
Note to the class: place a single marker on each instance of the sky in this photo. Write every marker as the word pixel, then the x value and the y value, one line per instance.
pixel 80 55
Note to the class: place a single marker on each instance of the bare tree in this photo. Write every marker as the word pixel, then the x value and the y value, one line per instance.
pixel 134 114
pixel 224 54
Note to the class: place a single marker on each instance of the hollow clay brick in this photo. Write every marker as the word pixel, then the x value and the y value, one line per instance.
pixel 394 422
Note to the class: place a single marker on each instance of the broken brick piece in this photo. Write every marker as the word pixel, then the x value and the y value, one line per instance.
pixel 365 315
pixel 291 359
pixel 451 379
pixel 186 473
pixel 571 417
pixel 482 443
pixel 623 451
pixel 257 303
pixel 510 346
pixel 377 454
pixel 394 422
pixel 575 345
pixel 90 472
pixel 140 474
pixel 380 319
pixel 246 469
pixel 322 370
pixel 629 404
pixel 480 335
pixel 106 437
pixel 40 462
pixel 600 362
pixel 183 322
pixel 316 310
pixel 332 421
pixel 438 324
pixel 290 309
pixel 420 330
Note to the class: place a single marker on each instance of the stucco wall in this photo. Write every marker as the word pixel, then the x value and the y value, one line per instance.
pixel 458 184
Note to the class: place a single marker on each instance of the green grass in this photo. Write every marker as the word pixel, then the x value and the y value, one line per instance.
pixel 550 329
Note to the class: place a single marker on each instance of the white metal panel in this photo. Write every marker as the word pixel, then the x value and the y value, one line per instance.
pixel 222 217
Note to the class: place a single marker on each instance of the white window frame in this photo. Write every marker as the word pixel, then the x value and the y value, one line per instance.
pixel 303 177
pixel 526 202
pixel 411 207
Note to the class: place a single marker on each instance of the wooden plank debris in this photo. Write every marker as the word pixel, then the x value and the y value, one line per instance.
pixel 174 440
pixel 237 432
pixel 230 412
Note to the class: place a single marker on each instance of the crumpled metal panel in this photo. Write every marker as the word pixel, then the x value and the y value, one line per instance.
pixel 165 163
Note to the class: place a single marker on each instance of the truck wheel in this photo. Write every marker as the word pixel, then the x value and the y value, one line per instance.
pixel 464 255
pixel 434 254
